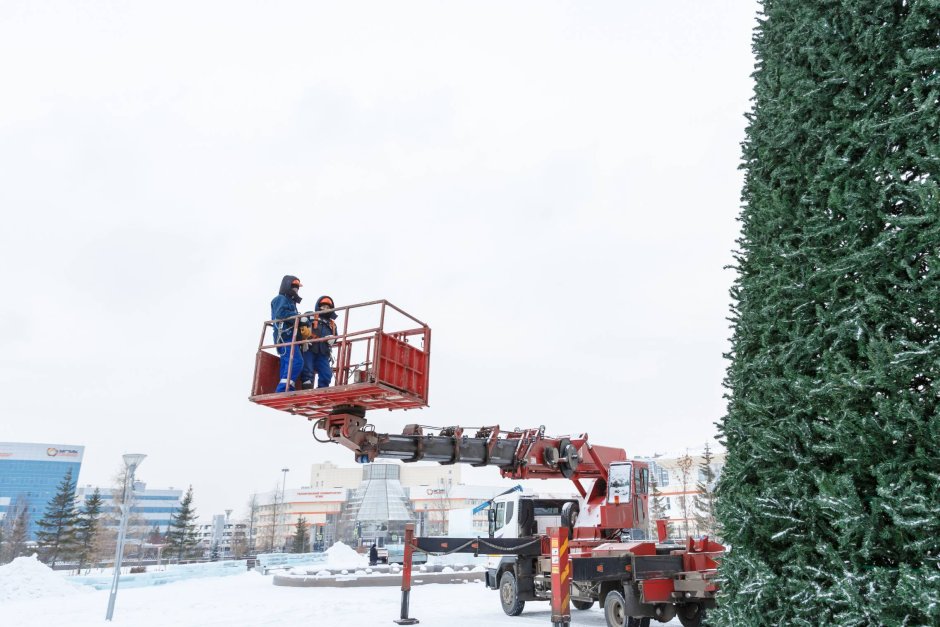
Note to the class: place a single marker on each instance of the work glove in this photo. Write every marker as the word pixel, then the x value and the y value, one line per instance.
pixel 305 333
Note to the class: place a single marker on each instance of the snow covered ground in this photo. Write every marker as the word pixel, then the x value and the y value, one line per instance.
pixel 251 600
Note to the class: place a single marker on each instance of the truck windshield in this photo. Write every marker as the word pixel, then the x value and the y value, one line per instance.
pixel 618 486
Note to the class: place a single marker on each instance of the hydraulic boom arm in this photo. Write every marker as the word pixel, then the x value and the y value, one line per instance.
pixel 519 454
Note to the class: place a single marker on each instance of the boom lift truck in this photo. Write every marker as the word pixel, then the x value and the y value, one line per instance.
pixel 571 551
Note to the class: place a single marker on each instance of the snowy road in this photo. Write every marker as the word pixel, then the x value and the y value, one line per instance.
pixel 250 600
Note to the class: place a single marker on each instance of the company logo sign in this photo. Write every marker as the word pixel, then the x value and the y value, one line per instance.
pixel 61 452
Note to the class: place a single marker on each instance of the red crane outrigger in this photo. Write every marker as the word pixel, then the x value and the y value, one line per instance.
pixel 385 365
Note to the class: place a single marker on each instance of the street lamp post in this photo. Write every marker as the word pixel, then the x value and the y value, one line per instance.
pixel 283 489
pixel 131 462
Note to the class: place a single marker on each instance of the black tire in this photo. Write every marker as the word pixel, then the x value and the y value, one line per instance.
pixel 509 595
pixel 615 609
pixel 569 515
pixel 691 615
pixel 582 605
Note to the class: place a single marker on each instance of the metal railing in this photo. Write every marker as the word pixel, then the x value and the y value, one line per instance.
pixel 355 349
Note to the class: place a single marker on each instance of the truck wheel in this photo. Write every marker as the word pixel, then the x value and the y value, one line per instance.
pixel 582 605
pixel 615 609
pixel 509 595
pixel 691 615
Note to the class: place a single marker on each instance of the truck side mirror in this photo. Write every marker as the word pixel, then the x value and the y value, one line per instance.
pixel 491 517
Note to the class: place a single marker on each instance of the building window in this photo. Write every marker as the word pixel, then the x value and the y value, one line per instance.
pixel 663 477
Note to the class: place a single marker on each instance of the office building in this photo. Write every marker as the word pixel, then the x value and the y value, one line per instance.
pixel 30 474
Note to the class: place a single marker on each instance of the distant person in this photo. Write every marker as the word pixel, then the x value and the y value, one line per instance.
pixel 317 357
pixel 283 307
pixel 373 555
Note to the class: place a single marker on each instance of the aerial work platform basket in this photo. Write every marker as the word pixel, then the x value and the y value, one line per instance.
pixel 380 356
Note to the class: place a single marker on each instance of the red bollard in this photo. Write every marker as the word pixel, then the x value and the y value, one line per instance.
pixel 561 577
pixel 406 577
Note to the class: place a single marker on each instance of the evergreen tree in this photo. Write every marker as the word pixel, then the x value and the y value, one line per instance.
pixel 704 501
pixel 56 534
pixel 830 496
pixel 658 510
pixel 301 537
pixel 182 537
pixel 86 529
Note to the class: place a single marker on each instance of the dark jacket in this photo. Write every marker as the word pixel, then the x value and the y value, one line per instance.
pixel 373 555
pixel 284 306
pixel 324 325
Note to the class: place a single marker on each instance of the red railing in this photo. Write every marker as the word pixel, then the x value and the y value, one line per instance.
pixel 382 358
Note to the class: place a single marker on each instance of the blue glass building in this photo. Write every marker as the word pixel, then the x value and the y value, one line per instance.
pixel 30 474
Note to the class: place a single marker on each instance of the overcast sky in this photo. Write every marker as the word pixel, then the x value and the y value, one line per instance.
pixel 552 186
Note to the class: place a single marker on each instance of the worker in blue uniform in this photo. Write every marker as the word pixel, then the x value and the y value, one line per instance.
pixel 284 307
pixel 317 356
pixel 307 374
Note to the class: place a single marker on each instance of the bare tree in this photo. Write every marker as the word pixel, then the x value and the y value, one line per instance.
pixel 15 530
pixel 253 507
pixel 275 511
pixel 238 541
pixel 137 528
pixel 685 464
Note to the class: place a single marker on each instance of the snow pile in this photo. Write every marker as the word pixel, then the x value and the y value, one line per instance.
pixel 28 578
pixel 343 556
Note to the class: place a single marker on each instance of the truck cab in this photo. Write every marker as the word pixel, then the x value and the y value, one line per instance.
pixel 522 515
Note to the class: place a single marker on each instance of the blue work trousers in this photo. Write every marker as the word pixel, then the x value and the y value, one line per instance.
pixel 318 365
pixel 295 362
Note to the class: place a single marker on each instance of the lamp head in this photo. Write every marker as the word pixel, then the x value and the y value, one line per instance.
pixel 133 460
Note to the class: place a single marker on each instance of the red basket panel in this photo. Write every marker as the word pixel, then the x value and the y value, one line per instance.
pixel 267 373
pixel 402 366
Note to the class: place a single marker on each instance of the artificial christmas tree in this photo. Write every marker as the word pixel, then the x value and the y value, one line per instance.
pixel 830 497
